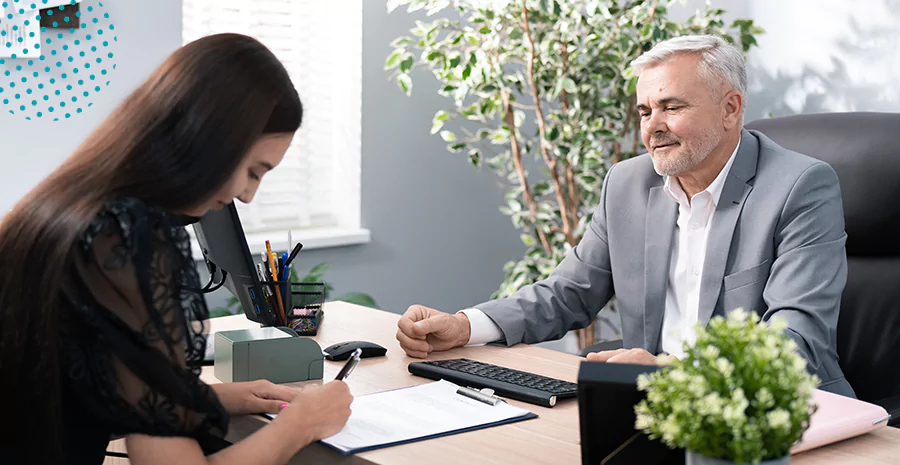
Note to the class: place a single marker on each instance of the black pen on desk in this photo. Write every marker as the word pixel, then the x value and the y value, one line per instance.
pixel 349 366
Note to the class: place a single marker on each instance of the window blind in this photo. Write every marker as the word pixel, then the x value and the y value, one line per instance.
pixel 319 44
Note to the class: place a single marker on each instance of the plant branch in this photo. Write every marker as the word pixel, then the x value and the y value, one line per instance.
pixel 520 170
pixel 653 10
pixel 563 95
pixel 545 153
pixel 522 105
pixel 574 196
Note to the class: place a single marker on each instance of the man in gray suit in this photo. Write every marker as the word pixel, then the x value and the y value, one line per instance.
pixel 713 218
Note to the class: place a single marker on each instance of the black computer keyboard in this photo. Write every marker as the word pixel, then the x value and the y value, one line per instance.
pixel 506 382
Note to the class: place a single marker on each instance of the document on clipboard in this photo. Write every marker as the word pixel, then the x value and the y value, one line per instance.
pixel 418 413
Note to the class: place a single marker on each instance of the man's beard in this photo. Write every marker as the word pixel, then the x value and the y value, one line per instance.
pixel 684 157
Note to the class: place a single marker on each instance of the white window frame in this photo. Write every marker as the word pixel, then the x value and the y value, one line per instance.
pixel 345 163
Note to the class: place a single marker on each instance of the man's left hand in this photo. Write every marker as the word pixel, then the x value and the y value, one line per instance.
pixel 634 356
pixel 254 396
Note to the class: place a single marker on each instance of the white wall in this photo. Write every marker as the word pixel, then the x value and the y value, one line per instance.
pixel 819 55
pixel 30 150
pixel 825 56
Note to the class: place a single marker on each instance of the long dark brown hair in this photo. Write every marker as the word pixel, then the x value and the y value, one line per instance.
pixel 172 143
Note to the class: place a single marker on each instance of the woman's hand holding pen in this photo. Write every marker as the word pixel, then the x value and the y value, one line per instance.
pixel 319 411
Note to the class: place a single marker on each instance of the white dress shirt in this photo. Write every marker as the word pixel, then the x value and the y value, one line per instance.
pixel 688 253
pixel 685 269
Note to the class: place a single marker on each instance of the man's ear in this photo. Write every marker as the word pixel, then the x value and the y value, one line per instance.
pixel 732 109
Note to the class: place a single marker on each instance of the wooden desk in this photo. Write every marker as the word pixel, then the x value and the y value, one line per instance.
pixel 551 438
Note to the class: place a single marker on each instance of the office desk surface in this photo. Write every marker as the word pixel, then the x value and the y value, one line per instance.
pixel 551 438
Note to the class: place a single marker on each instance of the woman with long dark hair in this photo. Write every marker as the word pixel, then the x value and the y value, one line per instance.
pixel 99 295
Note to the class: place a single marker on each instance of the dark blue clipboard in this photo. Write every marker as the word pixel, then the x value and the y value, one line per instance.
pixel 528 416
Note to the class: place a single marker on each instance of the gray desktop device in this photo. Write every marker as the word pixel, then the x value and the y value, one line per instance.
pixel 275 354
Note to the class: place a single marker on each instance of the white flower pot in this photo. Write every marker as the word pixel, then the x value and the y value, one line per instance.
pixel 693 458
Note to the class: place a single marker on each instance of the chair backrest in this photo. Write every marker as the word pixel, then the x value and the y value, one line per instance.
pixel 864 150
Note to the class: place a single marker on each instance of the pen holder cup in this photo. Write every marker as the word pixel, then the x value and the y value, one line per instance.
pixel 302 304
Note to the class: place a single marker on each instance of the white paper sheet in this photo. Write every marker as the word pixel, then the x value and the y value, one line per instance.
pixel 410 413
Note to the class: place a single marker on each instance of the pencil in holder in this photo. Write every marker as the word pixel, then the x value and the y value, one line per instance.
pixel 302 304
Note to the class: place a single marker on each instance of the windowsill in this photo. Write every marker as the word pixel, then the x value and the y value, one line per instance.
pixel 317 238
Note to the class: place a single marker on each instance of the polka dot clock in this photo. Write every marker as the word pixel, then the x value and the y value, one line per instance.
pixel 53 60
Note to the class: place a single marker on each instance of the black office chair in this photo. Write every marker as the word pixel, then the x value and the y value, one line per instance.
pixel 864 150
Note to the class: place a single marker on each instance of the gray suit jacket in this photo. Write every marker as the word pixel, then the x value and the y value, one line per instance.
pixel 776 247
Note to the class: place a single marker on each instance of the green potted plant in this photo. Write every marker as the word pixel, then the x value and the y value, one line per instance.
pixel 741 394
pixel 541 92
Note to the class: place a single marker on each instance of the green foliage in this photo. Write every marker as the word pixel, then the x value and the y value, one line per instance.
pixel 546 79
pixel 741 393
pixel 314 275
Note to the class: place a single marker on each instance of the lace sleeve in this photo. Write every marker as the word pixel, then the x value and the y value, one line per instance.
pixel 137 290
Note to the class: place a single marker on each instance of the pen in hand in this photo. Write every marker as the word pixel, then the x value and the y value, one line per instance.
pixel 349 366
pixel 345 370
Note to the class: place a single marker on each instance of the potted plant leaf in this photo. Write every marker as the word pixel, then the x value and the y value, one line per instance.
pixel 740 395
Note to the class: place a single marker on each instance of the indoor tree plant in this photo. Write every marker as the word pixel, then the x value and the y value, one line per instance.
pixel 543 95
pixel 741 394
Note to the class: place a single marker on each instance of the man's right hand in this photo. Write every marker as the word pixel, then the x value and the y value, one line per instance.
pixel 423 330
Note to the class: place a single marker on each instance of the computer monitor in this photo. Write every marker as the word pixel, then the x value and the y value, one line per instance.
pixel 607 394
pixel 223 243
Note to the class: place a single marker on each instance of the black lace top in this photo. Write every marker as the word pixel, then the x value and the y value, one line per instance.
pixel 130 328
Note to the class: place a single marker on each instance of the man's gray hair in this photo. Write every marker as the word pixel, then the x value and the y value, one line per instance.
pixel 718 58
